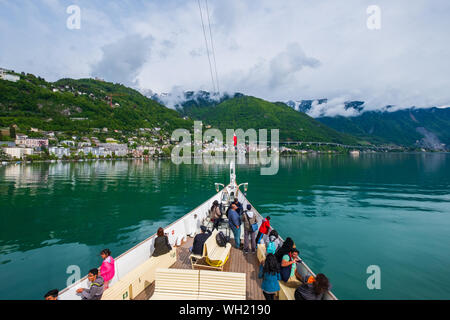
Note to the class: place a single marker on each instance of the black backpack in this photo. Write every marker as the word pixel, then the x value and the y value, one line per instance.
pixel 221 239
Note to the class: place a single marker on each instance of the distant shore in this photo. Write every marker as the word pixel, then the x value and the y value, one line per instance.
pixel 15 162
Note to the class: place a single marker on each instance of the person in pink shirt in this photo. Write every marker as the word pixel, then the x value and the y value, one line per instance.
pixel 107 268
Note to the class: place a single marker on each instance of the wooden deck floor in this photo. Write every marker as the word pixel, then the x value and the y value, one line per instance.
pixel 238 262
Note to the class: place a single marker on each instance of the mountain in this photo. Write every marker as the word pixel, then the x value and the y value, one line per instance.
pixel 80 105
pixel 246 112
pixel 427 128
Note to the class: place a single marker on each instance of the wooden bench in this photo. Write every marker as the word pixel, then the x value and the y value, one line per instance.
pixel 184 284
pixel 176 284
pixel 214 257
pixel 222 285
pixel 139 278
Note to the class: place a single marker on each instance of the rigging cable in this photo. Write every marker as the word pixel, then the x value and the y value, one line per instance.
pixel 212 46
pixel 207 48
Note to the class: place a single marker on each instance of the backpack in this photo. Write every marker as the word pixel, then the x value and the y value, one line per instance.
pixel 271 247
pixel 221 239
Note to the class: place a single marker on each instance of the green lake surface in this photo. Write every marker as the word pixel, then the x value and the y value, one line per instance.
pixel 344 213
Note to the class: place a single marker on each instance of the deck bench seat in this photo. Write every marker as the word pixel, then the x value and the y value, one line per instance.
pixel 222 285
pixel 176 284
pixel 214 255
pixel 185 284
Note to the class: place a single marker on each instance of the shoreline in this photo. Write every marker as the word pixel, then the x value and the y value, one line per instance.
pixel 20 162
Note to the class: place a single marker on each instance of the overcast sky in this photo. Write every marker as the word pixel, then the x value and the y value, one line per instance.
pixel 276 50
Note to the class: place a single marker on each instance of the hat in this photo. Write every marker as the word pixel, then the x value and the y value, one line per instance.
pixel 249 207
pixel 203 228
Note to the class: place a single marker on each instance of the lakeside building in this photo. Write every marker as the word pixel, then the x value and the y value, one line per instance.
pixel 59 151
pixel 141 149
pixel 119 150
pixel 18 153
pixel 96 151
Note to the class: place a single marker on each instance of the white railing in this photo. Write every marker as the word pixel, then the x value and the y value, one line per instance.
pixel 134 257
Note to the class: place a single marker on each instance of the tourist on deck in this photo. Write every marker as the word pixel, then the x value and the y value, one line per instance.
pixel 96 287
pixel 269 271
pixel 287 246
pixel 162 245
pixel 249 218
pixel 234 221
pixel 264 228
pixel 239 206
pixel 199 241
pixel 288 270
pixel 52 295
pixel 313 288
pixel 273 242
pixel 107 270
pixel 215 215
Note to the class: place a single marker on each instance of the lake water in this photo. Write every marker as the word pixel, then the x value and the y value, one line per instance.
pixel 344 213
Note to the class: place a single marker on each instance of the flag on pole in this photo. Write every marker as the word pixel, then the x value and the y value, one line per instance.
pixel 235 140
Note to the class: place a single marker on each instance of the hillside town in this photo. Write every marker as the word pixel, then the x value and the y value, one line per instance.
pixel 40 145
pixel 49 145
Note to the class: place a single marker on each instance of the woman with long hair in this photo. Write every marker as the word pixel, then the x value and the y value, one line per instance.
pixel 285 249
pixel 161 244
pixel 313 288
pixel 269 271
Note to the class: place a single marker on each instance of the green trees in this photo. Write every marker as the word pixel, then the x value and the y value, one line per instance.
pixel 78 106
pixel 12 132
pixel 245 112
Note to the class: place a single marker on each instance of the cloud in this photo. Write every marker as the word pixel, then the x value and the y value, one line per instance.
pixel 273 75
pixel 331 108
pixel 286 64
pixel 279 51
pixel 123 59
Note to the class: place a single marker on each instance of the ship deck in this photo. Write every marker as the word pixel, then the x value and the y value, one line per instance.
pixel 238 262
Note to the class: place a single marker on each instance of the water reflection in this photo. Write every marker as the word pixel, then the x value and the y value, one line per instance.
pixel 332 206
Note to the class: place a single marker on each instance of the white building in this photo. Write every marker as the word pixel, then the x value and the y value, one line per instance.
pixel 10 77
pixel 96 151
pixel 59 151
pixel 120 150
pixel 18 153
